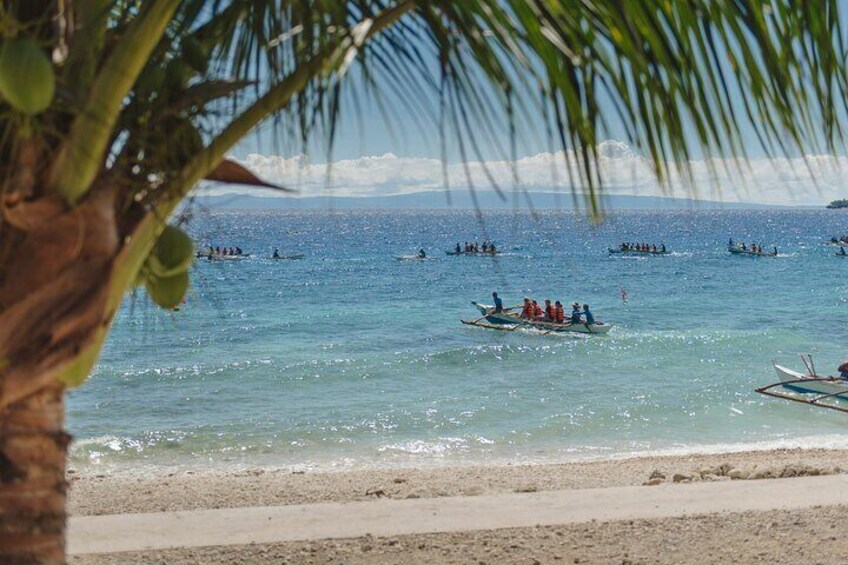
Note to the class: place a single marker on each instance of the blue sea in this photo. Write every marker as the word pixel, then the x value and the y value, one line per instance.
pixel 351 358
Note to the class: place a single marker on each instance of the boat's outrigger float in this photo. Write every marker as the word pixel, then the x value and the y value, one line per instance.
pixel 507 321
pixel 809 388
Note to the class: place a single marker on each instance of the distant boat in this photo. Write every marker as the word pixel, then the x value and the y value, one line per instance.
pixel 292 256
pixel 415 257
pixel 613 251
pixel 736 249
pixel 222 256
pixel 508 321
pixel 474 253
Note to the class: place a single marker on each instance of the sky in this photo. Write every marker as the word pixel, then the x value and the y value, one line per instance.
pixel 376 155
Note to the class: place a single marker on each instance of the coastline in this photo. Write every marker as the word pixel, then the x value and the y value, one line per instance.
pixel 743 536
pixel 98 494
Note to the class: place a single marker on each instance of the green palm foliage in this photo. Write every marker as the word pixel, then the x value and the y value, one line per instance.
pixel 111 111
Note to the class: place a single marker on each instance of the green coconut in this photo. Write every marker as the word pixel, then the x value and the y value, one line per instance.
pixel 27 80
pixel 172 254
pixel 167 292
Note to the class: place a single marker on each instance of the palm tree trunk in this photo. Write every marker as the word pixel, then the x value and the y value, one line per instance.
pixel 33 449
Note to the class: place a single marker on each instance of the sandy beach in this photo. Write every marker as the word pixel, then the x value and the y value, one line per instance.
pixel 769 537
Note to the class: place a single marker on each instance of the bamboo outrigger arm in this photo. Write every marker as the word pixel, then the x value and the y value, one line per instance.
pixel 815 401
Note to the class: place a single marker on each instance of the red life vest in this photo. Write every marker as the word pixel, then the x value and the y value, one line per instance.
pixel 527 310
pixel 560 314
pixel 549 312
pixel 538 311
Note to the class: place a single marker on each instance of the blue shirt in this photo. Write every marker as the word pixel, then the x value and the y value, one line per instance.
pixel 575 316
pixel 590 319
pixel 498 304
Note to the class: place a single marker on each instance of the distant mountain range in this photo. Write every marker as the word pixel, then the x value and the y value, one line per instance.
pixel 461 199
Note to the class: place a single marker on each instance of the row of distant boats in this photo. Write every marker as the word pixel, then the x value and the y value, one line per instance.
pixel 733 247
pixel 236 253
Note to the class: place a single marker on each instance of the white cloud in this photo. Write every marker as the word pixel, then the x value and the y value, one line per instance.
pixel 818 179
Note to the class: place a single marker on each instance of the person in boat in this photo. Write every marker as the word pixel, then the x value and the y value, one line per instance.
pixel 492 249
pixel 742 247
pixel 843 370
pixel 730 243
pixel 217 250
pixel 527 309
pixel 537 311
pixel 662 248
pixel 421 254
pixel 276 253
pixel 774 251
pixel 550 313
pixel 653 248
pixel 239 251
pixel 498 302
pixel 587 315
pixel 842 250
pixel 559 312
pixel 575 314
pixel 458 248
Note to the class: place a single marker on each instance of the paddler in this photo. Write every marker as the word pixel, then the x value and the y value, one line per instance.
pixel 537 311
pixel 276 253
pixel 590 319
pixel 575 313
pixel 559 312
pixel 550 314
pixel 421 254
pixel 498 302
pixel 843 370
pixel 527 309
pixel 841 250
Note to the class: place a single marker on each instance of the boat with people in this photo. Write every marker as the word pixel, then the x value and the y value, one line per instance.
pixel 473 253
pixel 753 249
pixel 837 241
pixel 639 249
pixel 810 387
pixel 222 253
pixel 420 256
pixel 487 249
pixel 278 256
pixel 507 319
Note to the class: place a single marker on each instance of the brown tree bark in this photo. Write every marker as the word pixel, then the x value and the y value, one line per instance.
pixel 55 268
pixel 33 449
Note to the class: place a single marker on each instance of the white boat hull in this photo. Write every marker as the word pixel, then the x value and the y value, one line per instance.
pixel 809 384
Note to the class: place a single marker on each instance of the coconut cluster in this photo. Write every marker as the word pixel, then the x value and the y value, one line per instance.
pixel 165 272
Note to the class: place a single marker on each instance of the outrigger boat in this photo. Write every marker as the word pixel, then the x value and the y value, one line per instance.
pixel 292 256
pixel 613 251
pixel 808 388
pixel 736 249
pixel 473 253
pixel 508 321
pixel 222 257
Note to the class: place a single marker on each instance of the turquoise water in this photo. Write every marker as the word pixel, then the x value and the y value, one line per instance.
pixel 350 358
